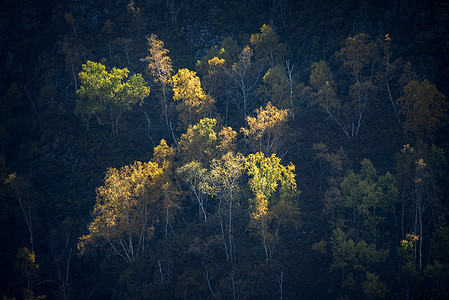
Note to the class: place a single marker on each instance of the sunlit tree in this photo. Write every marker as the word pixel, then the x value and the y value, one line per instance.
pixel 107 95
pixel 194 104
pixel 266 176
pixel 160 68
pixel 267 131
pixel 125 210
pixel 199 142
pixel 224 178
pixel 164 155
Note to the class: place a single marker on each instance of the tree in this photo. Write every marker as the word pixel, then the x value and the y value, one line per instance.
pixel 125 44
pixel 137 18
pixel 200 140
pixel 224 177
pixel 125 210
pixel 215 69
pixel 332 167
pixel 26 265
pixel 389 73
pixel 244 78
pixel 324 94
pixel 417 191
pixel 194 103
pixel 267 132
pixel 160 67
pixel 351 261
pixel 359 55
pixel 163 155
pixel 280 89
pixel 424 108
pixel 73 52
pixel 266 175
pixel 267 48
pixel 226 140
pixel 20 188
pixel 174 8
pixel 196 177
pixel 366 197
pixel 213 78
pixel 106 95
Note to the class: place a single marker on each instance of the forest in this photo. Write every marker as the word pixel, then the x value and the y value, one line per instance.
pixel 195 149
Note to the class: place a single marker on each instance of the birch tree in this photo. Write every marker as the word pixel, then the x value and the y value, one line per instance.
pixel 359 55
pixel 161 69
pixel 244 78
pixel 424 109
pixel 225 174
pixel 269 51
pixel 106 95
pixel 194 104
pixel 266 176
pixel 125 210
pixel 267 131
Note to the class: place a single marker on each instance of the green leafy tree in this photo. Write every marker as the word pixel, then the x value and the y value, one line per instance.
pixel 351 263
pixel 266 176
pixel 196 177
pixel 368 197
pixel 280 88
pixel 106 95
pixel 200 141
pixel 333 169
pixel 268 50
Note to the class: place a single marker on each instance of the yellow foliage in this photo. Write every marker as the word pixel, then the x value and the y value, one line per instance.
pixel 266 173
pixel 408 245
pixel 215 64
pixel 194 102
pixel 124 204
pixel 227 138
pixel 159 63
pixel 163 153
pixel 265 132
pixel 260 206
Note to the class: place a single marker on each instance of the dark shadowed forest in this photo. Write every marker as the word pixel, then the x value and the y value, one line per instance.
pixel 197 149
